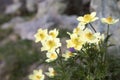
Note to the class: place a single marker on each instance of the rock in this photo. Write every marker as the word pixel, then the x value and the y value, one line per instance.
pixel 3 4
pixel 50 6
pixel 68 22
pixel 86 1
pixel 31 5
pixel 27 29
pixel 13 8
pixel 12 22
pixel 48 15
pixel 76 7
pixel 2 65
pixel 107 8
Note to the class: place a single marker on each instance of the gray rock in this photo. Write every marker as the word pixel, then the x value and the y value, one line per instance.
pixel 3 4
pixel 12 22
pixel 86 1
pixel 77 7
pixel 50 6
pixel 68 22
pixel 30 5
pixel 48 15
pixel 105 8
pixel 13 8
pixel 27 29
pixel 2 65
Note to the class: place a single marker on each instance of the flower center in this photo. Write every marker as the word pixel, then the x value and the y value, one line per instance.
pixel 52 34
pixel 41 36
pixel 109 19
pixel 38 77
pixel 54 73
pixel 77 30
pixel 89 36
pixel 70 54
pixel 87 18
pixel 75 41
pixel 53 56
pixel 51 43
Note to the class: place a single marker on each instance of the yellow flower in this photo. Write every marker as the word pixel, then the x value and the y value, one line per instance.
pixel 41 35
pixel 53 33
pixel 109 20
pixel 51 72
pixel 88 36
pixel 37 75
pixel 51 56
pixel 51 44
pixel 87 18
pixel 78 30
pixel 81 26
pixel 75 42
pixel 68 54
pixel 99 37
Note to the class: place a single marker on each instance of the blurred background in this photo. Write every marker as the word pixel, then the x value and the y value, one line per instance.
pixel 20 19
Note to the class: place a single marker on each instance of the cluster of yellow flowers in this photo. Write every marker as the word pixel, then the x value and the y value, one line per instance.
pixel 49 42
pixel 88 18
pixel 80 35
pixel 38 74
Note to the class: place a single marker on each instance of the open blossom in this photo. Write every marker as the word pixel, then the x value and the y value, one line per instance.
pixel 41 35
pixel 37 75
pixel 78 30
pixel 51 44
pixel 51 72
pixel 75 42
pixel 99 36
pixel 53 33
pixel 68 54
pixel 109 20
pixel 87 18
pixel 88 36
pixel 51 56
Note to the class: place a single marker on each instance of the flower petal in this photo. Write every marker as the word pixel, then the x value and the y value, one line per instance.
pixel 80 18
pixel 93 14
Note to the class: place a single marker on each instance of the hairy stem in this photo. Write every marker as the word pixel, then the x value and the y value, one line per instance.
pixel 92 27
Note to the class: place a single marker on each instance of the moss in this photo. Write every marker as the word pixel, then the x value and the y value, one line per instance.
pixel 19 56
pixel 114 64
pixel 63 33
pixel 5 32
pixel 5 18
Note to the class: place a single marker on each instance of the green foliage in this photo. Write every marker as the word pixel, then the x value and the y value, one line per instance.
pixel 5 33
pixel 114 65
pixel 63 33
pixel 5 18
pixel 19 56
pixel 88 64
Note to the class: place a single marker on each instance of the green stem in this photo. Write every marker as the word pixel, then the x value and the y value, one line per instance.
pixel 85 27
pixel 61 64
pixel 108 28
pixel 92 27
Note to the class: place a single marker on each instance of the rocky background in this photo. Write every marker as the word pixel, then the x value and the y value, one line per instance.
pixel 20 19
